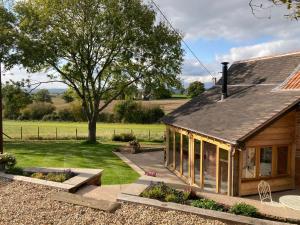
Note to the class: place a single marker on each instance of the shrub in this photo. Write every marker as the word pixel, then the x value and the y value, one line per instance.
pixel 125 137
pixel 133 112
pixel 244 209
pixel 15 171
pixel 37 110
pixel 163 192
pixel 207 204
pixel 8 160
pixel 38 176
pixel 65 115
pixel 106 117
pixel 51 117
pixel 77 111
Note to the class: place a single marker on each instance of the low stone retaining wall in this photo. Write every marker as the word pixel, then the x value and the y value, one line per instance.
pixel 84 176
pixel 210 214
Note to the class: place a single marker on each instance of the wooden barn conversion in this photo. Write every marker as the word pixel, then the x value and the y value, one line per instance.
pixel 243 130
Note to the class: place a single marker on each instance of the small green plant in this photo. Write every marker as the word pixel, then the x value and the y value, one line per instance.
pixel 207 204
pixel 15 171
pixel 123 137
pixel 171 198
pixel 38 176
pixel 8 160
pixel 244 209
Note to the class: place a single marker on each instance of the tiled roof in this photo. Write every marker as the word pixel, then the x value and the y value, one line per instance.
pixel 252 101
pixel 293 82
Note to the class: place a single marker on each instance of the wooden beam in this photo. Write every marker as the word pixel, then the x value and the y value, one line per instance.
pixel 201 165
pixel 181 154
pixel 217 169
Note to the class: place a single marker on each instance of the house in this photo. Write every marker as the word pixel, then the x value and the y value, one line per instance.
pixel 243 130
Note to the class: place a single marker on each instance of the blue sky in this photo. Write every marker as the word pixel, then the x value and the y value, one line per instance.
pixel 219 31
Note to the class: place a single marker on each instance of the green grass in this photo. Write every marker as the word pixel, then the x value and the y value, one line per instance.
pixel 67 130
pixel 75 155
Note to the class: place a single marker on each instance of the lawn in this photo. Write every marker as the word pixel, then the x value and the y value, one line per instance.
pixel 67 130
pixel 73 154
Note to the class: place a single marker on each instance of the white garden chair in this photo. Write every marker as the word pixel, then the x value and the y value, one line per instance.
pixel 264 191
pixel 265 194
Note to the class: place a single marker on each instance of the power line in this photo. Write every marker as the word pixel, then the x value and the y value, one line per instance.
pixel 183 41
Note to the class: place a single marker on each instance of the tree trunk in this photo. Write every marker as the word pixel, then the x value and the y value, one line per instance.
pixel 92 131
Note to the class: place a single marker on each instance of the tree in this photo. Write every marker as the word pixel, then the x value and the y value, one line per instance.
pixel 196 88
pixel 162 92
pixel 7 44
pixel 42 95
pixel 68 95
pixel 98 48
pixel 293 6
pixel 14 99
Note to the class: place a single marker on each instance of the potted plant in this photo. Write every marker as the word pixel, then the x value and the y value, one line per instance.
pixel 135 146
pixel 7 161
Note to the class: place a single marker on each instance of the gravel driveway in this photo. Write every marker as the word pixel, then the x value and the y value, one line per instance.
pixel 25 203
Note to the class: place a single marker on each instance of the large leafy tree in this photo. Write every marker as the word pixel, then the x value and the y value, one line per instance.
pixel 7 45
pixel 99 48
pixel 195 88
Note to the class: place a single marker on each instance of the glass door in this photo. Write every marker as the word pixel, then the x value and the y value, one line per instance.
pixel 209 167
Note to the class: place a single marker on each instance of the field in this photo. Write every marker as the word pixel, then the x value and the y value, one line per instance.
pixel 72 154
pixel 67 130
pixel 167 105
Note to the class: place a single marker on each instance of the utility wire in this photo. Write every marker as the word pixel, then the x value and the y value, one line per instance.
pixel 184 42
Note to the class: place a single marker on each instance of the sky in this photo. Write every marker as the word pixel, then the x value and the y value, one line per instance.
pixel 218 31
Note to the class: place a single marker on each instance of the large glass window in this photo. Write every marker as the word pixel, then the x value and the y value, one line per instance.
pixel 177 151
pixel 282 160
pixel 171 149
pixel 197 155
pixel 249 163
pixel 265 162
pixel 209 167
pixel 223 171
pixel 185 151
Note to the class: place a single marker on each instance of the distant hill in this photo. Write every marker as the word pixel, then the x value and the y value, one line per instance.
pixel 53 91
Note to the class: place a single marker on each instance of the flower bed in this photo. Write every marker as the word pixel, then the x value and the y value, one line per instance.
pixel 50 176
pixel 164 193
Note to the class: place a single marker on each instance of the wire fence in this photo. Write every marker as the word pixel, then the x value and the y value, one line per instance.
pixel 77 133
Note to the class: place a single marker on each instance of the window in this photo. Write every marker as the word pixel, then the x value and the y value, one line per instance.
pixel 171 148
pixel 209 167
pixel 249 163
pixel 270 161
pixel 282 160
pixel 265 162
pixel 223 171
pixel 185 151
pixel 197 155
pixel 177 151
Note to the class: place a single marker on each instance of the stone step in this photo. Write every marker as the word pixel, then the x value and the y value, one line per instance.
pixel 105 192
pixel 75 199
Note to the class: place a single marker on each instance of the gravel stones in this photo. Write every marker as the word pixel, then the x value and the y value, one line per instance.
pixel 25 203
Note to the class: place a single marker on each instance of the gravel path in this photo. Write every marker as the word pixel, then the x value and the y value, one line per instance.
pixel 24 203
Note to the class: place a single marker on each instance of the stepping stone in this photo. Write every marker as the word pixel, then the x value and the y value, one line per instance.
pixel 102 205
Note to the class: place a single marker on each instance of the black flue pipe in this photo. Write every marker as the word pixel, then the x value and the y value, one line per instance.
pixel 224 80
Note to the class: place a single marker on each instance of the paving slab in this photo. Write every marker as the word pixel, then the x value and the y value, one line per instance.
pixel 105 192
pixel 103 205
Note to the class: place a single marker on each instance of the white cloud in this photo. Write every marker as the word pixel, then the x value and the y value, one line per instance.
pixel 259 50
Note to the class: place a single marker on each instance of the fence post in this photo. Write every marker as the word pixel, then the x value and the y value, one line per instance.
pixel 131 132
pixel 56 133
pixel 114 132
pixel 76 134
pixel 21 133
pixel 38 133
pixel 149 135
